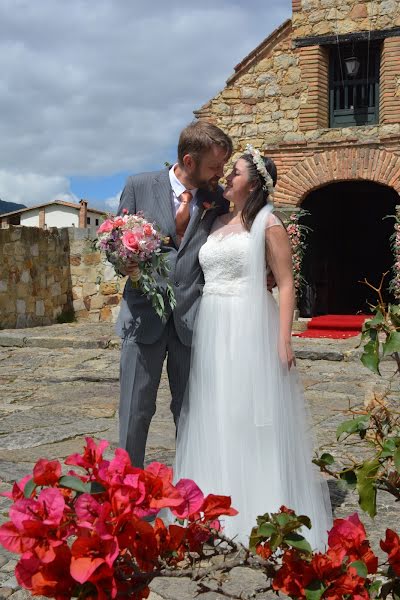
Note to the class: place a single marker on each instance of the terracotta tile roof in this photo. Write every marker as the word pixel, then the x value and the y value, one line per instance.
pixel 58 202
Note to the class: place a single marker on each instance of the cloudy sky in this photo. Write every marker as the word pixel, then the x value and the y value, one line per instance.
pixel 94 90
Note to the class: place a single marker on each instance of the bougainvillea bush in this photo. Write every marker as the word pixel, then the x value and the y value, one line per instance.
pixel 88 535
pixel 85 535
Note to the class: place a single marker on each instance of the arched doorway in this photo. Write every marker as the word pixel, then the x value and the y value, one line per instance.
pixel 349 242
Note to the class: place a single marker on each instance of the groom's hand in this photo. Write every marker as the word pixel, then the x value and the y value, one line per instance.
pixel 130 268
pixel 271 283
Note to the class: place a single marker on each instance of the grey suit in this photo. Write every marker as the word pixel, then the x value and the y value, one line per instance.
pixel 146 339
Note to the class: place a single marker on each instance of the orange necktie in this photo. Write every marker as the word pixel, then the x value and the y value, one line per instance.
pixel 182 216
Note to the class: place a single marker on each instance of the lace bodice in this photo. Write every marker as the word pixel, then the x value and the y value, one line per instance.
pixel 223 260
pixel 224 256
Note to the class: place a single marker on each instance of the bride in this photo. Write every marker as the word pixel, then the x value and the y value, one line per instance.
pixel 243 430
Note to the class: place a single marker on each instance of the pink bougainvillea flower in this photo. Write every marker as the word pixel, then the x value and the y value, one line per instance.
pixel 192 498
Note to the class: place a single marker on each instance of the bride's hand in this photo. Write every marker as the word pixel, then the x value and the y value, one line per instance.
pixel 286 354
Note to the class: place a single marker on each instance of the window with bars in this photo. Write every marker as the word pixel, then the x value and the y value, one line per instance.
pixel 354 100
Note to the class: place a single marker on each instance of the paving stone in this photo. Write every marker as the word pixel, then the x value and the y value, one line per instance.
pixel 54 393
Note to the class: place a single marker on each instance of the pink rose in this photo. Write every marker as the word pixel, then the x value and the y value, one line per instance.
pixel 106 227
pixel 131 241
pixel 147 229
pixel 119 221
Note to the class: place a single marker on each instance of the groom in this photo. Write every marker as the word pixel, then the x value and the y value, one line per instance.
pixel 183 202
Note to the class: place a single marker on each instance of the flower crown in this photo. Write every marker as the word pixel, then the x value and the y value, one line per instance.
pixel 260 166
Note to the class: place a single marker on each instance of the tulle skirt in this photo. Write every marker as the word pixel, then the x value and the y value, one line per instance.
pixel 222 444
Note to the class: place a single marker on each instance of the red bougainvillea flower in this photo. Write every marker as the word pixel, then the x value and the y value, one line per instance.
pixel 46 472
pixel 294 576
pixel 264 550
pixel 391 545
pixel 92 457
pixel 88 554
pixel 349 535
pixel 18 488
pixel 286 510
pixel 47 579
pixel 349 585
pixel 215 506
pixel 349 532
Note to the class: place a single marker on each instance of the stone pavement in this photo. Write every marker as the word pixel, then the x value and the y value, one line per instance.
pixel 60 384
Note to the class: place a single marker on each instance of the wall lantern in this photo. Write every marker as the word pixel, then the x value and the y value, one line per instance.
pixel 352 65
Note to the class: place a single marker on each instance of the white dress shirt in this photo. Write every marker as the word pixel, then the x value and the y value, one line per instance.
pixel 177 189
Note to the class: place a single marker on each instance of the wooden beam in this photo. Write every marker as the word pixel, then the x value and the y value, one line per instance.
pixel 359 36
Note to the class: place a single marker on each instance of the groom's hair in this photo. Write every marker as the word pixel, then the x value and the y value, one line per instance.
pixel 198 137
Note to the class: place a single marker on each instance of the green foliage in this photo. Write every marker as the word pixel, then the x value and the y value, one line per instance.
pixel 281 529
pixel 377 426
pixel 381 335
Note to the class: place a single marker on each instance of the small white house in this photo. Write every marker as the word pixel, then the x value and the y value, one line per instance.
pixel 55 214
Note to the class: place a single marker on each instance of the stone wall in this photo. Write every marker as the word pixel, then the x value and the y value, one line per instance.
pixel 52 275
pixel 34 276
pixel 277 98
pixel 331 17
pixel 279 95
pixel 96 290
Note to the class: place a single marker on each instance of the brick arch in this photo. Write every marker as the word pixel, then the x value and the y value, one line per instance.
pixel 337 165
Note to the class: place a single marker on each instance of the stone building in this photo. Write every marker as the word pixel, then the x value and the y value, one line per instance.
pixel 321 96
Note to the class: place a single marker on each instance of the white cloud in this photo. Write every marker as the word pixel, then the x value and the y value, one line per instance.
pixel 95 88
pixel 113 202
pixel 31 188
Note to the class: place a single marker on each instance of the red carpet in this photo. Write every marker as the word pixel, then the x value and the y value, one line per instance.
pixel 334 326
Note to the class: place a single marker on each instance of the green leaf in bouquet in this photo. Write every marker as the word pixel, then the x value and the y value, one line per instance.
pixel 392 344
pixel 356 425
pixel 73 483
pixel 360 567
pixel 29 487
pixel 314 590
pixel 370 356
pixel 298 542
pixel 366 487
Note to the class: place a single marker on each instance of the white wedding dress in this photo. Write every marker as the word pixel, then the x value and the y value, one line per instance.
pixel 243 430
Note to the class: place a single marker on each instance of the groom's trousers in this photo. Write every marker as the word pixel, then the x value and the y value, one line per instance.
pixel 140 372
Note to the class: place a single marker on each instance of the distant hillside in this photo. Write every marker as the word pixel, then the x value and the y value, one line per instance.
pixel 6 207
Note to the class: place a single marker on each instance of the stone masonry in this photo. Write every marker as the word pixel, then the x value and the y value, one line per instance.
pixel 52 275
pixel 34 276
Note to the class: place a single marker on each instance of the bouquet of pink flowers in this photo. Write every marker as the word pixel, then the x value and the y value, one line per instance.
pixel 130 238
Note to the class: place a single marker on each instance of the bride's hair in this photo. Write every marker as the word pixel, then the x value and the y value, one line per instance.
pixel 258 197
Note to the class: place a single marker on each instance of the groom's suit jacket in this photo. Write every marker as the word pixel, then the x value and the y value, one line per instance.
pixel 151 194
